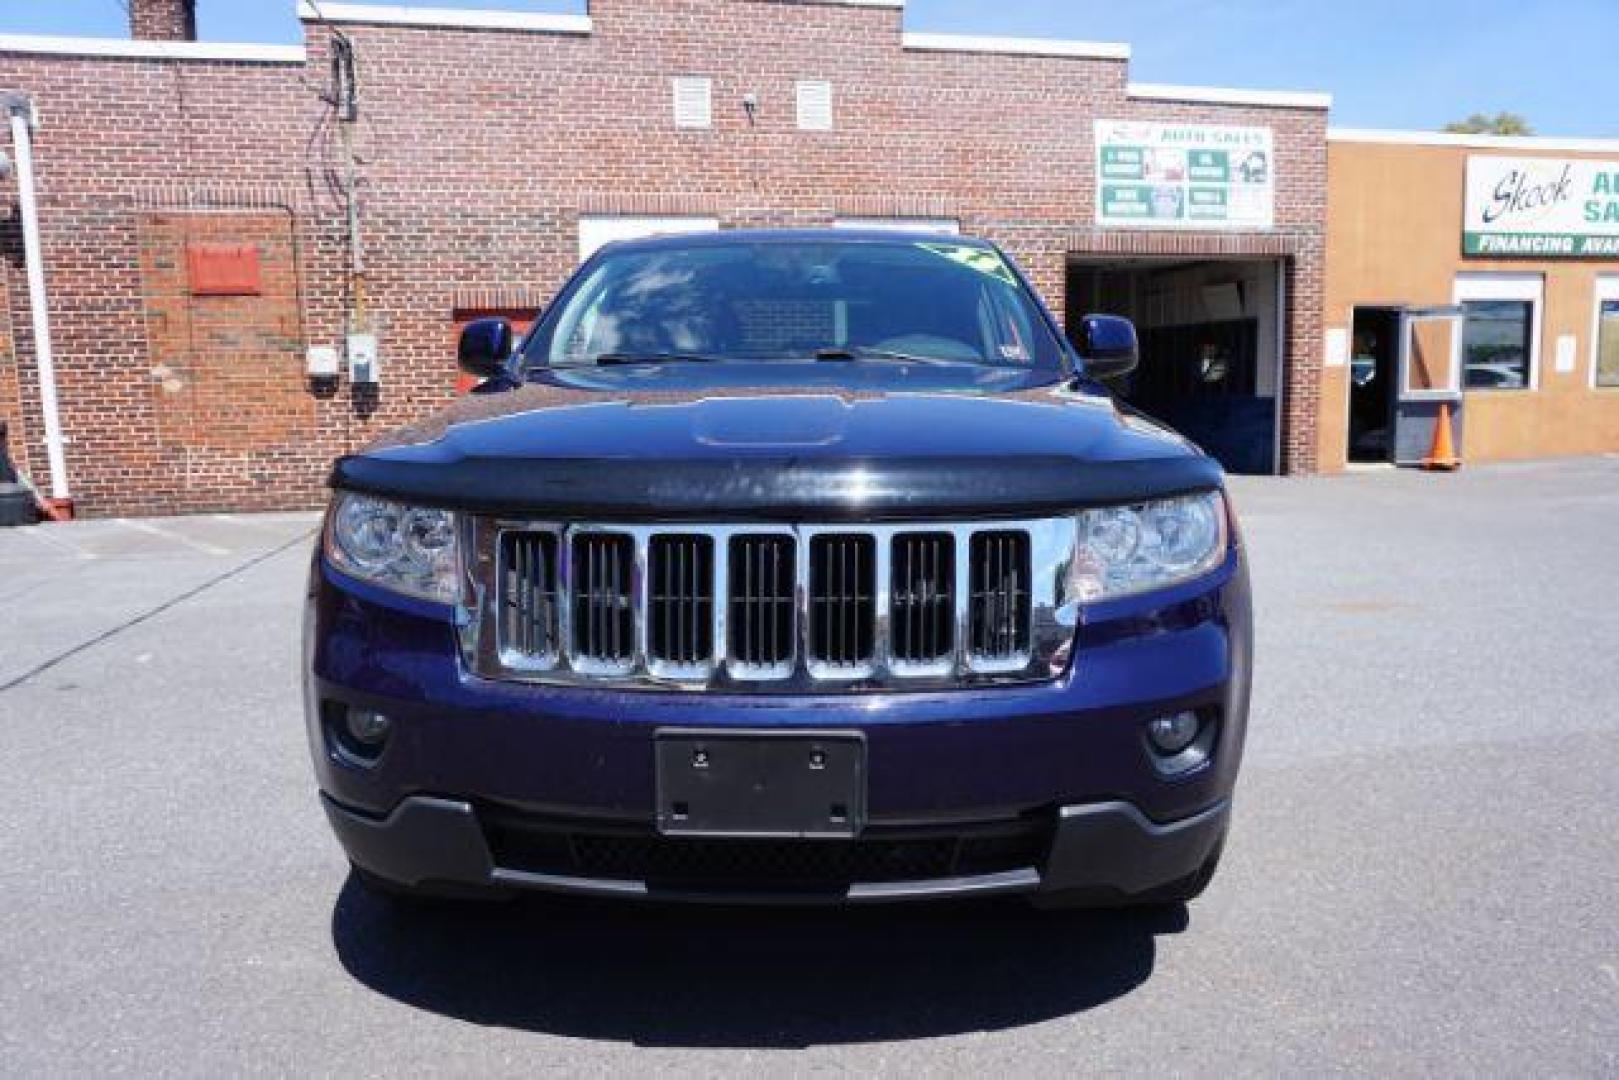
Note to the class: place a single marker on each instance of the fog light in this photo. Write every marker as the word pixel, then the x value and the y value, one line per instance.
pixel 1170 735
pixel 368 727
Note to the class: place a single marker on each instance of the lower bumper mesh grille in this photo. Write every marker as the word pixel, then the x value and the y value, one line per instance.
pixel 619 853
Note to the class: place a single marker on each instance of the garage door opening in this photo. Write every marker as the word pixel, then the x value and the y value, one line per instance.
pixel 1212 343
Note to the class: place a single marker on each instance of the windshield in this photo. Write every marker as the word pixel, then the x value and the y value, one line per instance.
pixel 921 300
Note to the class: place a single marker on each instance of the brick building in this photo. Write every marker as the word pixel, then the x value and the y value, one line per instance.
pixel 216 219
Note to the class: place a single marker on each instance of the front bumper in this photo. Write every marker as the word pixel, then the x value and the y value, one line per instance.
pixel 1066 758
pixel 1103 852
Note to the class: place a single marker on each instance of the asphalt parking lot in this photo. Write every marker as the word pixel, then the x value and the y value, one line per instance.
pixel 1424 876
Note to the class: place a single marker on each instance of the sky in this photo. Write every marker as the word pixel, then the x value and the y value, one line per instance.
pixel 1389 63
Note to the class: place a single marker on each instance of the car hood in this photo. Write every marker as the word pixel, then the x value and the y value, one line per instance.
pixel 781 440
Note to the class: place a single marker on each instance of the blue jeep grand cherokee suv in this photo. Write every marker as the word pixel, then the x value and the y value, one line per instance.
pixel 783 567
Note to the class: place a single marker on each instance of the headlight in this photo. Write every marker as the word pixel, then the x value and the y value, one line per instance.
pixel 408 549
pixel 1123 550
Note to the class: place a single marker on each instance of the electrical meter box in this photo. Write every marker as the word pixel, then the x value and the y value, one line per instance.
pixel 322 362
pixel 364 361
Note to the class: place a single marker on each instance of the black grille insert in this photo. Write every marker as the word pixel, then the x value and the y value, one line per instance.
pixel 843 599
pixel 602 576
pixel 614 852
pixel 760 606
pixel 530 595
pixel 680 608
pixel 922 605
pixel 1000 596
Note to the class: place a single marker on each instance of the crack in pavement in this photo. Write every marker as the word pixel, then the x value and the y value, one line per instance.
pixel 151 613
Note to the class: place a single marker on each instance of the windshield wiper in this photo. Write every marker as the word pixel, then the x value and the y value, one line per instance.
pixel 844 354
pixel 625 359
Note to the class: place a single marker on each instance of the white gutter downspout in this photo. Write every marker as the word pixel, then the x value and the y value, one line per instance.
pixel 21 111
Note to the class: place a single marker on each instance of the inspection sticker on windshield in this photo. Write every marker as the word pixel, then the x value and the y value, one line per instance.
pixel 984 260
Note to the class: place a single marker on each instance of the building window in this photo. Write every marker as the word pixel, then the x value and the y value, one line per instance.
pixel 901 224
pixel 595 230
pixel 694 102
pixel 1496 343
pixel 1605 365
pixel 815 106
pixel 1500 336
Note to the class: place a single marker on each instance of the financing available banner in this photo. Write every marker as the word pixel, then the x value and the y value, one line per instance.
pixel 1184 176
pixel 1542 208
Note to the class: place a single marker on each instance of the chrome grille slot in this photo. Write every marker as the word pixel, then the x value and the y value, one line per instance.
pixel 842 605
pixel 922 604
pixel 602 575
pixel 760 611
pixel 530 598
pixel 680 604
pixel 999 614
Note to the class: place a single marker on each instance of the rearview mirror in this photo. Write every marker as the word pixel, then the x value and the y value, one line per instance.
pixel 1107 345
pixel 486 345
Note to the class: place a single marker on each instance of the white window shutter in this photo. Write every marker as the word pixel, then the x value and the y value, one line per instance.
pixel 694 102
pixel 814 105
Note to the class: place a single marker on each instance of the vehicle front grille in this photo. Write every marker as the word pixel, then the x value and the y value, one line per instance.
pixel 923 607
pixel 680 602
pixel 613 852
pixel 530 596
pixel 843 604
pixel 1000 597
pixel 762 600
pixel 603 572
pixel 844 608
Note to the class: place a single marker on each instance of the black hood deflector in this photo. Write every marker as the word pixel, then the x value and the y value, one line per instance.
pixel 787 490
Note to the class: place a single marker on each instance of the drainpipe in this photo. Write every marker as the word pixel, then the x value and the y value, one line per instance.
pixel 21 111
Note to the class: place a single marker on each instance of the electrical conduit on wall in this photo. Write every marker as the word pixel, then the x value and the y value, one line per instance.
pixel 21 111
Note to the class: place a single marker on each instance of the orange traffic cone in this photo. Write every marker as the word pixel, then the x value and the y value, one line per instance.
pixel 1442 455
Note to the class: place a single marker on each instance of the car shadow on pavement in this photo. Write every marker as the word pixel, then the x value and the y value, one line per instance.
pixel 780 978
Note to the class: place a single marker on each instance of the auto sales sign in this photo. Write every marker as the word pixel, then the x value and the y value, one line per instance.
pixel 1543 208
pixel 1184 176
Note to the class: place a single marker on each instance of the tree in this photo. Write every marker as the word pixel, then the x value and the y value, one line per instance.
pixel 1502 123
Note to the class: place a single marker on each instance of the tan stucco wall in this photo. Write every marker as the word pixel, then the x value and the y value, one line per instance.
pixel 1394 237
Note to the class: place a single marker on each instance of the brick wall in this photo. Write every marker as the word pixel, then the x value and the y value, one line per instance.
pixel 122 140
pixel 480 151
pixel 230 403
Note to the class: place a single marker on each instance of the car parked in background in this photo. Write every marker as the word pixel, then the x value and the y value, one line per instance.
pixel 17 504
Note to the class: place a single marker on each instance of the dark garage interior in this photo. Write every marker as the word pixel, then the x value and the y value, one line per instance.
pixel 1211 345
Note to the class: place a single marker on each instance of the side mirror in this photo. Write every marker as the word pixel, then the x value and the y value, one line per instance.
pixel 486 345
pixel 1107 345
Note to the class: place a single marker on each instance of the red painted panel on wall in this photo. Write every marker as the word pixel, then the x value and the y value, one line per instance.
pixel 223 269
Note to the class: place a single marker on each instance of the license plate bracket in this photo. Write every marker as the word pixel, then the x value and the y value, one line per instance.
pixel 785 785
